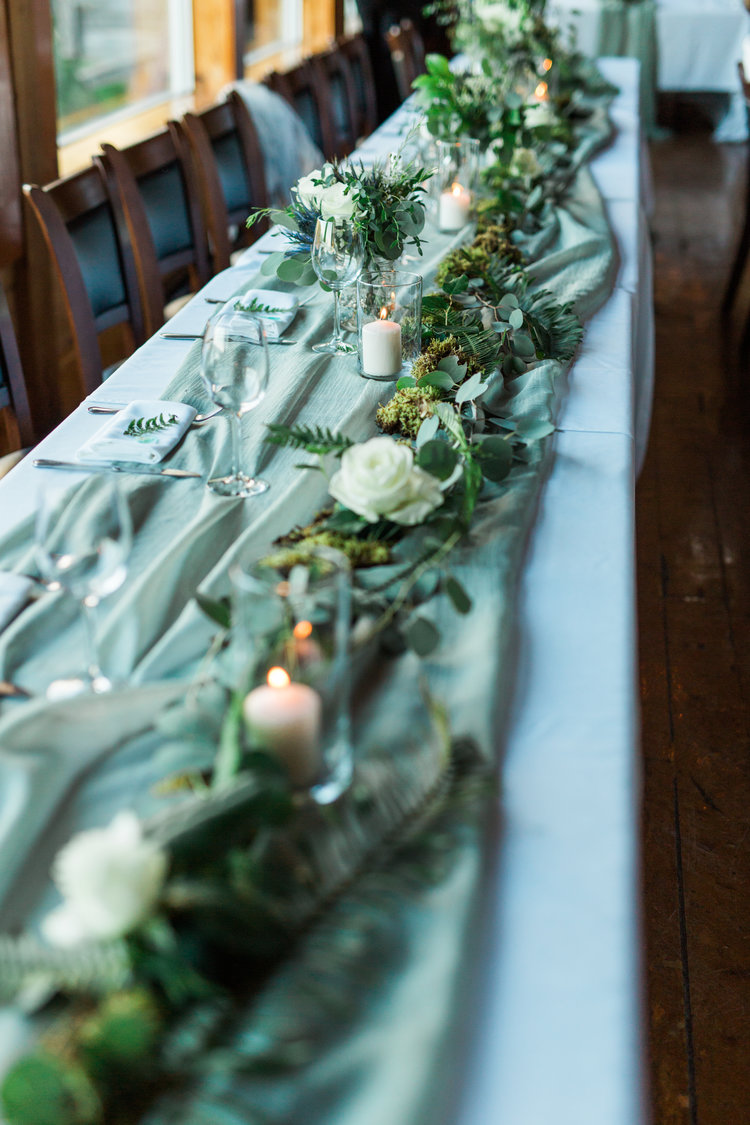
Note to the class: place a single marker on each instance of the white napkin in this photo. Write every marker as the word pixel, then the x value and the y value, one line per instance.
pixel 142 431
pixel 283 308
pixel 15 590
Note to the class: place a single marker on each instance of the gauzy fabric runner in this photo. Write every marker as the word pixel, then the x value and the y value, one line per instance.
pixel 364 1022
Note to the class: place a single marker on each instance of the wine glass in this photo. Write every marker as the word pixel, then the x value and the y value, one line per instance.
pixel 83 545
pixel 338 255
pixel 234 367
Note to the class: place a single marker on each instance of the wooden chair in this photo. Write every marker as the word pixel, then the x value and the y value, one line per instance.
pixel 229 170
pixel 407 55
pixel 357 55
pixel 83 228
pixel 743 247
pixel 155 180
pixel 340 95
pixel 13 394
pixel 303 88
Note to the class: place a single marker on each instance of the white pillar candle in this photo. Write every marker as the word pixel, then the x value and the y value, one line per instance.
pixel 286 719
pixel 381 347
pixel 455 206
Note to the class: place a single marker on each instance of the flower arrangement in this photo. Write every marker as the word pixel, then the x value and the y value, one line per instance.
pixel 384 201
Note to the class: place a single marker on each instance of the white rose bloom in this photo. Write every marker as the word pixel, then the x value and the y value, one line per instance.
pixel 308 193
pixel 501 16
pixel 379 478
pixel 525 163
pixel 110 878
pixel 334 204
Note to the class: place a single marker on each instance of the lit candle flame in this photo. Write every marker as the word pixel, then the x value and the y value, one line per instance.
pixel 278 678
pixel 547 65
pixel 541 91
pixel 456 188
pixel 302 630
pixel 383 315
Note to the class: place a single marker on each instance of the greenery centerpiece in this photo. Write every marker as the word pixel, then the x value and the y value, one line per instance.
pixel 385 201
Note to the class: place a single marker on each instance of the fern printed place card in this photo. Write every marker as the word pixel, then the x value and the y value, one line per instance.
pixel 142 431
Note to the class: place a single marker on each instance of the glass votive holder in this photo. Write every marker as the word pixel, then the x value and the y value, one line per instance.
pixel 454 182
pixel 389 323
pixel 293 624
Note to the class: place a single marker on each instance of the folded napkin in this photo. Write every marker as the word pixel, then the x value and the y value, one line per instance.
pixel 15 590
pixel 276 310
pixel 142 431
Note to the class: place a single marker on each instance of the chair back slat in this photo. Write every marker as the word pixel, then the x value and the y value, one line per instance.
pixel 228 163
pixel 156 182
pixel 80 223
pixel 366 105
pixel 13 392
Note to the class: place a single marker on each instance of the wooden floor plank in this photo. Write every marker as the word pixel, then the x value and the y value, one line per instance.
pixel 693 520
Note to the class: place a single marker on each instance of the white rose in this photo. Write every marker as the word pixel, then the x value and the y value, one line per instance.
pixel 110 878
pixel 499 15
pixel 525 163
pixel 308 193
pixel 334 204
pixel 379 478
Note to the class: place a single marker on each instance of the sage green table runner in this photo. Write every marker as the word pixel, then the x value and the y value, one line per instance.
pixel 395 946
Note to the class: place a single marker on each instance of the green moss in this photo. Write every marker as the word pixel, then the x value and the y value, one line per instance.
pixel 408 408
pixel 360 552
pixel 439 349
pixel 492 242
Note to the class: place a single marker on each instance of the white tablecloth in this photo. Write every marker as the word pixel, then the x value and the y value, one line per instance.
pixel 555 1032
pixel 698 46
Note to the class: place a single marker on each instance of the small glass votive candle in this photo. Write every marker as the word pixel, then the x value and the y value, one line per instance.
pixel 389 323
pixel 292 630
pixel 454 182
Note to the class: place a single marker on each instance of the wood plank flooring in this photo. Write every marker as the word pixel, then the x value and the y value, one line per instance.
pixel 693 522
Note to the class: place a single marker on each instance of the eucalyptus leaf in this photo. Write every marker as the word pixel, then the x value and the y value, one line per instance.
pixel 457 594
pixel 290 269
pixel 516 319
pixel 422 636
pixel 452 365
pixel 427 430
pixel 471 389
pixel 523 346
pixel 440 379
pixel 495 455
pixel 405 381
pixel 437 458
pixel 218 609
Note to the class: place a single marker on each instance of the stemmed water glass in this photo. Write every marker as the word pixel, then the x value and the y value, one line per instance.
pixel 338 256
pixel 83 547
pixel 234 367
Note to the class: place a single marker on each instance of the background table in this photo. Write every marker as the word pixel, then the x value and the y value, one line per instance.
pixel 687 44
pixel 555 1032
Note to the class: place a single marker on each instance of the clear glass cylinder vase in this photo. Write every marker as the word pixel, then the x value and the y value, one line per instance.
pixel 454 182
pixel 292 626
pixel 389 323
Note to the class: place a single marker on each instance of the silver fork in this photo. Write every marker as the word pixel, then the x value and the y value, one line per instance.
pixel 197 421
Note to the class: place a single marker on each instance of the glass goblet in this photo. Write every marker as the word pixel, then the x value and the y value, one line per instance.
pixel 234 367
pixel 338 255
pixel 84 548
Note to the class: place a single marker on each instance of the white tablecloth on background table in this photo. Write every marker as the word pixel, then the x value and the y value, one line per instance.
pixel 698 46
pixel 556 1033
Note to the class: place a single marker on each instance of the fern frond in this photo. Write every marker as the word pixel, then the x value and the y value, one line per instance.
pixel 313 439
pixel 95 967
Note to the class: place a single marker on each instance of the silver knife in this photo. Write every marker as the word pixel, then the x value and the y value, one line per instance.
pixel 113 466
pixel 199 336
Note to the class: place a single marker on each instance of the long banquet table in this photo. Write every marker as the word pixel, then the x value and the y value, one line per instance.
pixel 555 1034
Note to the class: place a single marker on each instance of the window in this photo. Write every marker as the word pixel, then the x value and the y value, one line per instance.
pixel 117 57
pixel 271 27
